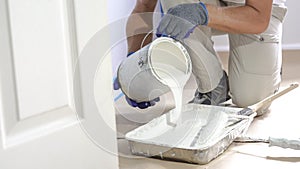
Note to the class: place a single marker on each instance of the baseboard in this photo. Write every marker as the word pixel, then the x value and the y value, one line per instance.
pixel 294 46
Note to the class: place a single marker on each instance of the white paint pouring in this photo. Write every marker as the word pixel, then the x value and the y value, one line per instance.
pixel 176 81
pixel 173 68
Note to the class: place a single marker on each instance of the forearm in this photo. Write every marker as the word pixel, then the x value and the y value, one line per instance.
pixel 252 18
pixel 139 24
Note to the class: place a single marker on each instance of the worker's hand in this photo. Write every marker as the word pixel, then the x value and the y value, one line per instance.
pixel 182 19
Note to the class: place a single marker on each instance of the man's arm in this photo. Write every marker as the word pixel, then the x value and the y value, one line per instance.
pixel 139 23
pixel 253 18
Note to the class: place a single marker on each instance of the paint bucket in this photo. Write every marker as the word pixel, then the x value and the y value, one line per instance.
pixel 139 75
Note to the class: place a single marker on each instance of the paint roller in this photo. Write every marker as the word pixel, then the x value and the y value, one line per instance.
pixel 272 141
pixel 253 108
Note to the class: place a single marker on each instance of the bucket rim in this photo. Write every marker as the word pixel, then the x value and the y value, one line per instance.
pixel 175 43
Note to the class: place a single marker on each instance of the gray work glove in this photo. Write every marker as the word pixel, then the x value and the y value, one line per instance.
pixel 182 19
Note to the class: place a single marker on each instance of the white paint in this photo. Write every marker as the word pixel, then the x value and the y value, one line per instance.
pixel 173 68
pixel 201 126
pixel 176 81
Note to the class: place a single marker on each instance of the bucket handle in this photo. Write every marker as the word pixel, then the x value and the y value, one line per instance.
pixel 146 36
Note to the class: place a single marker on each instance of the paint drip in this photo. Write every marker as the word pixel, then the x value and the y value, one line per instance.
pixel 176 81
pixel 172 71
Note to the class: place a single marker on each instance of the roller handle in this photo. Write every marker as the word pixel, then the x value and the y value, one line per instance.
pixel 271 98
pixel 285 143
pixel 272 141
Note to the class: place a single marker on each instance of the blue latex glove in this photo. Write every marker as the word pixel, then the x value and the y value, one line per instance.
pixel 182 19
pixel 141 105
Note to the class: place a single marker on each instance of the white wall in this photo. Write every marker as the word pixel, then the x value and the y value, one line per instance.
pixel 117 10
pixel 291 32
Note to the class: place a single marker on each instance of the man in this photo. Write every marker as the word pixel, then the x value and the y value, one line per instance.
pixel 254 28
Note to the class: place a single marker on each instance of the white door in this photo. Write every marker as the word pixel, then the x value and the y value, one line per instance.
pixel 40 41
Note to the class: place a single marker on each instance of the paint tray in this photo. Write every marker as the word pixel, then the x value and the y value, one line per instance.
pixel 194 140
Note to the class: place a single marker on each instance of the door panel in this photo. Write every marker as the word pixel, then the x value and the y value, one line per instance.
pixel 40 43
pixel 39 55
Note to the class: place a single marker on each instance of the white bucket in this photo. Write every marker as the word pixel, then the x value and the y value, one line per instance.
pixel 140 76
